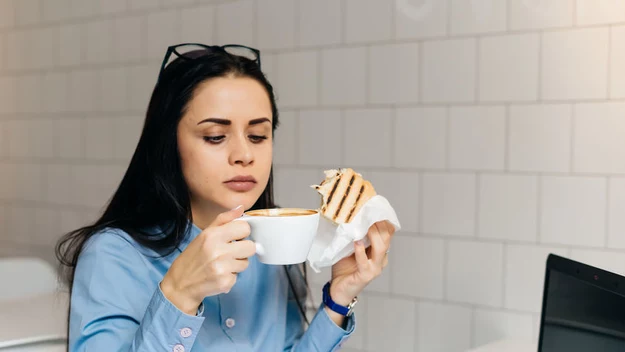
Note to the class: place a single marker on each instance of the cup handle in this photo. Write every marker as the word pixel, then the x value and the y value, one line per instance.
pixel 260 250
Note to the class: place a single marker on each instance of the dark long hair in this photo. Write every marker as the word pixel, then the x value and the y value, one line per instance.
pixel 153 191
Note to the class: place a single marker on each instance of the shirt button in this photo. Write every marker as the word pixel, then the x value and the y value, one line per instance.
pixel 186 332
pixel 179 348
pixel 230 323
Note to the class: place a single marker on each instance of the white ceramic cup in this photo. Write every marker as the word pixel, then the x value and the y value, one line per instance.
pixel 283 236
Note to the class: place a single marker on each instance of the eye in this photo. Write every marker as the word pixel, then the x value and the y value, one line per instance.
pixel 214 139
pixel 257 139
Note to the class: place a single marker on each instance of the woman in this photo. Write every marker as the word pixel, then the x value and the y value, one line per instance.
pixel 165 268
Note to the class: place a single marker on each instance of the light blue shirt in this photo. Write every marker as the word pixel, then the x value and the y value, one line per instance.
pixel 117 305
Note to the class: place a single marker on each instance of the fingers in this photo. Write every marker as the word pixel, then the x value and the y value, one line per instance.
pixel 238 265
pixel 362 261
pixel 234 231
pixel 242 249
pixel 378 247
pixel 228 216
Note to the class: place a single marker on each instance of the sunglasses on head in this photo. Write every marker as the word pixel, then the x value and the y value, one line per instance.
pixel 191 51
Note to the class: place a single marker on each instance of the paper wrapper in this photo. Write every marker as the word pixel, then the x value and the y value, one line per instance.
pixel 334 242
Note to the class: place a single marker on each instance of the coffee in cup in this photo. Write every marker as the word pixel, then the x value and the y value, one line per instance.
pixel 283 236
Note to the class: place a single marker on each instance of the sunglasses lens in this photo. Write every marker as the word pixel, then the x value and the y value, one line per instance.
pixel 189 51
pixel 242 51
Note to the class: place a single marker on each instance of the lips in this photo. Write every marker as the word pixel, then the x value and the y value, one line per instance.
pixel 241 183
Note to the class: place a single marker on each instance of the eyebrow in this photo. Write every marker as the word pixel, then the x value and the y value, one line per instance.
pixel 227 122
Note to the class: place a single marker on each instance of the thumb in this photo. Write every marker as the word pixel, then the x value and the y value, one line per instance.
pixel 227 216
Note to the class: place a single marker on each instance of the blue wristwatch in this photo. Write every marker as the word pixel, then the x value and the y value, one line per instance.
pixel 335 307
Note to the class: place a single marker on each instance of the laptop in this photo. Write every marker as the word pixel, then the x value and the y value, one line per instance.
pixel 583 308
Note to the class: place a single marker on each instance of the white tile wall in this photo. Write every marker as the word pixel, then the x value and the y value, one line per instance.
pixel 443 327
pixel 198 25
pixel 239 31
pixel 54 92
pixel 358 24
pixel 83 8
pixel 573 211
pixel 475 273
pixel 477 138
pixel 276 23
pixel 541 14
pixel 448 204
pixel 83 90
pixel 525 274
pixel 540 138
pixel 29 94
pixel 343 78
pixel 162 31
pixel 399 336
pixel 285 138
pixel 114 89
pixel 8 94
pixel 99 133
pixel 319 22
pixel 493 128
pixel 27 12
pixel 127 130
pixel 617 62
pixel 418 267
pixel 394 73
pixel 492 325
pixel 616 224
pixel 127 38
pixel 401 189
pixel 509 68
pixel 597 138
pixel 99 41
pixel 449 70
pixel 564 53
pixel 54 11
pixel 315 125
pixel 469 17
pixel 7 13
pixel 592 12
pixel 368 144
pixel 420 138
pixel 71 43
pixel 297 79
pixel 70 138
pixel 508 208
pixel 420 19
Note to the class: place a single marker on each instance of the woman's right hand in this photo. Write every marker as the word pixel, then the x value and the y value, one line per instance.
pixel 210 263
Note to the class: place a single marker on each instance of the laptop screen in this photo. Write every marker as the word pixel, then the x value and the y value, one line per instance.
pixel 583 309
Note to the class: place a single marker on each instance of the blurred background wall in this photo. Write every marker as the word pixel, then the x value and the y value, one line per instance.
pixel 495 128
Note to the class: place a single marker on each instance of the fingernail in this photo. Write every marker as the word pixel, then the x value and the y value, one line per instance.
pixel 359 243
pixel 237 207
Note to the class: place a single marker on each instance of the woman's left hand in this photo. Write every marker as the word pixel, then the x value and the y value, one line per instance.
pixel 352 274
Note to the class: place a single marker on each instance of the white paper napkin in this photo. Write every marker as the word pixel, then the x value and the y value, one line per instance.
pixel 334 242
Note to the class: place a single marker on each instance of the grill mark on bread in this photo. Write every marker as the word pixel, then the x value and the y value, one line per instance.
pixel 338 210
pixel 351 212
pixel 336 184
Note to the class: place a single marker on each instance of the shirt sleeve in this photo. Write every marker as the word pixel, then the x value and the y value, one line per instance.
pixel 323 335
pixel 116 307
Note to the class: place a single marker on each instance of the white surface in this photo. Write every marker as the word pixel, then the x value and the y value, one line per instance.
pixel 26 277
pixel 508 345
pixel 33 319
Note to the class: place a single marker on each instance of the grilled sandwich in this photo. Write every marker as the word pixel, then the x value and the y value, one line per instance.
pixel 343 193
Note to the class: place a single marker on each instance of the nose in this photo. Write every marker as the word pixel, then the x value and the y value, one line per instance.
pixel 240 152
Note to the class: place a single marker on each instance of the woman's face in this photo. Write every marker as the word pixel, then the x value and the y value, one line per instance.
pixel 225 143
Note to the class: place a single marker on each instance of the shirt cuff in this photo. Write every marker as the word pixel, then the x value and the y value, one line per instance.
pixel 332 336
pixel 178 330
